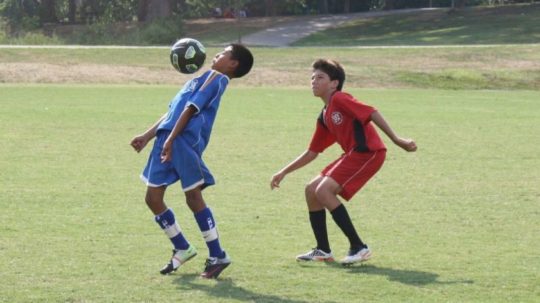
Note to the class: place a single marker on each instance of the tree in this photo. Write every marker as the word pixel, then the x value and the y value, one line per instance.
pixel 153 9
pixel 270 8
pixel 178 6
pixel 323 6
pixel 72 11
pixel 456 4
pixel 47 13
pixel 142 10
pixel 347 6
pixel 461 3
pixel 389 4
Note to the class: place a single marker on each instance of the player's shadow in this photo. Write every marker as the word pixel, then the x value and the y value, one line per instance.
pixel 404 276
pixel 225 288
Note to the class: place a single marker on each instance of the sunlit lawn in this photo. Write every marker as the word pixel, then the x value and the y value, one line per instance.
pixel 457 221
pixel 473 25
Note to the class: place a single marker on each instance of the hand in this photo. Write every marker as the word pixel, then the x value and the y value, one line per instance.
pixel 139 142
pixel 166 152
pixel 276 179
pixel 407 144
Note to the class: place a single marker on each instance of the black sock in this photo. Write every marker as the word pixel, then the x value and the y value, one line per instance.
pixel 318 224
pixel 342 219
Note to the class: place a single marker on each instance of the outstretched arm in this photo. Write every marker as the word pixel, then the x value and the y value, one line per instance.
pixel 299 162
pixel 166 153
pixel 140 141
pixel 407 144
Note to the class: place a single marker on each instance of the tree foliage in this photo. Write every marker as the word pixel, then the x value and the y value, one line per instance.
pixel 31 14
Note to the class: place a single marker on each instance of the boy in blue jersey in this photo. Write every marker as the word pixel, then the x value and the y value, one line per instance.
pixel 181 135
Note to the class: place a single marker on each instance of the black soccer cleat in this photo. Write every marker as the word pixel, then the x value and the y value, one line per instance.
pixel 214 266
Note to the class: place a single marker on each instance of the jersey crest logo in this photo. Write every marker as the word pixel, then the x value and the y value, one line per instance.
pixel 337 118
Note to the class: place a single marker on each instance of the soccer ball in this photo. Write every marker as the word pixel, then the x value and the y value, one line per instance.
pixel 187 55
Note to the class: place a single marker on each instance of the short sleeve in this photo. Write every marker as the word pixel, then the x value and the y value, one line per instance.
pixel 355 108
pixel 322 138
pixel 213 87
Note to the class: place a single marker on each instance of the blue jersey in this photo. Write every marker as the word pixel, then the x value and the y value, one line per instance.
pixel 204 93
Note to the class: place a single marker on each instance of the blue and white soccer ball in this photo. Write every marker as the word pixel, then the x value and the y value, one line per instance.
pixel 188 55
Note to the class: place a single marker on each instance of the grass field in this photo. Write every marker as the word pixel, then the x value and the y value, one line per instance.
pixel 495 67
pixel 501 24
pixel 457 221
pixel 475 25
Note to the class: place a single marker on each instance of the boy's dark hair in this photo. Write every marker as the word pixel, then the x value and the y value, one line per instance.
pixel 332 68
pixel 244 57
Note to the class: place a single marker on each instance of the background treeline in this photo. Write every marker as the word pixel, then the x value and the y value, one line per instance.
pixel 156 21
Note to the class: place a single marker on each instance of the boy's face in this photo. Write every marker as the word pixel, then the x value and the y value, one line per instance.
pixel 223 63
pixel 321 85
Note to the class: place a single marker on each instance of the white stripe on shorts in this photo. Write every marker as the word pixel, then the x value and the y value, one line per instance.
pixel 195 185
pixel 149 184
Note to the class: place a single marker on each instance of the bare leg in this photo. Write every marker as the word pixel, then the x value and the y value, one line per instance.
pixel 154 199
pixel 313 202
pixel 194 200
pixel 317 215
pixel 326 193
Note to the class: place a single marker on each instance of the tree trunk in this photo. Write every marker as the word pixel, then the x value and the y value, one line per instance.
pixel 178 6
pixel 347 6
pixel 48 12
pixel 323 7
pixel 158 9
pixel 270 8
pixel 142 10
pixel 457 4
pixel 72 11
pixel 388 4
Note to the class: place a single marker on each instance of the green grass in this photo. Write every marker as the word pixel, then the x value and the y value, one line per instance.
pixel 478 25
pixel 507 24
pixel 457 221
pixel 504 67
pixel 141 57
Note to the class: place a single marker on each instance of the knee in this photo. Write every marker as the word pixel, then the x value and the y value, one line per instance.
pixel 148 199
pixel 192 197
pixel 310 190
pixel 195 202
pixel 154 200
pixel 321 192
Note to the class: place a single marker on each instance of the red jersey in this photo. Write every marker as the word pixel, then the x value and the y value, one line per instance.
pixel 346 121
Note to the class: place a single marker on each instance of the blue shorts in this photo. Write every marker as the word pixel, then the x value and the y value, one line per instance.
pixel 186 165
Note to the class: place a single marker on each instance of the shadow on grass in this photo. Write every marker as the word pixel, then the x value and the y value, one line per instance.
pixel 225 288
pixel 404 276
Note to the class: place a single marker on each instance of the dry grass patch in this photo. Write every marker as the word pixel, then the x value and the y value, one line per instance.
pixel 515 67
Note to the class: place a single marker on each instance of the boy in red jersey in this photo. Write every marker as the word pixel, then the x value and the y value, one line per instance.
pixel 348 122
